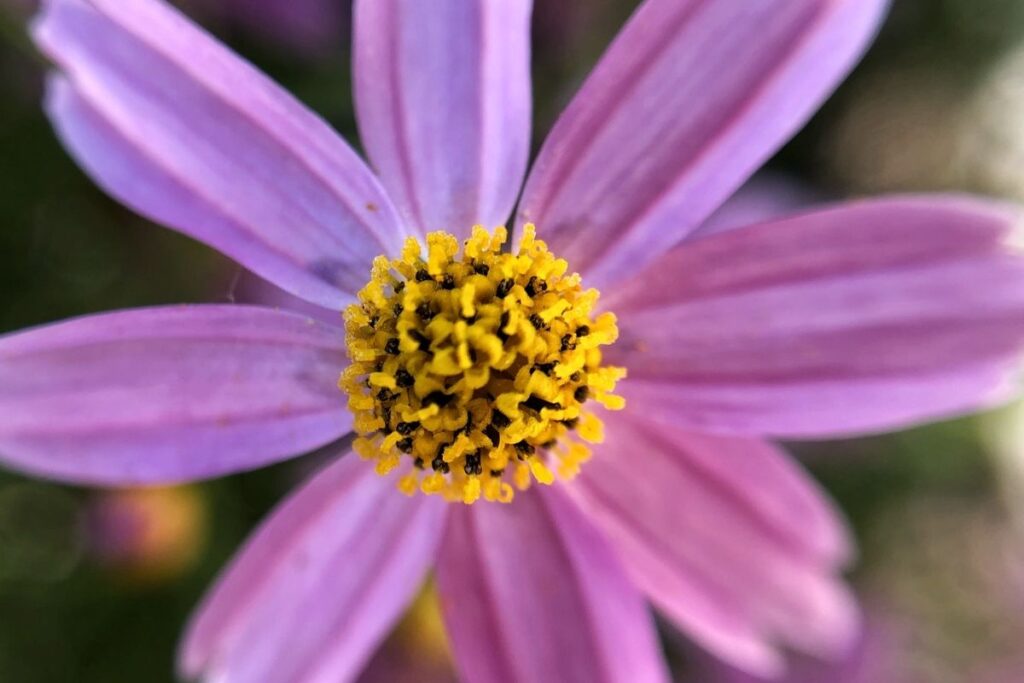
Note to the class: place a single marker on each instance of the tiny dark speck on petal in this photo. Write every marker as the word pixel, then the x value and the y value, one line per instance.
pixel 371 207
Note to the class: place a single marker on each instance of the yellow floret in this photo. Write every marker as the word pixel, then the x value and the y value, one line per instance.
pixel 470 372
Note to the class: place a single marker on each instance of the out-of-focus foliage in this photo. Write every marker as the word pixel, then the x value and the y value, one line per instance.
pixel 86 596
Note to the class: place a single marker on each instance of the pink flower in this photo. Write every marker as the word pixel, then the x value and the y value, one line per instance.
pixel 853 318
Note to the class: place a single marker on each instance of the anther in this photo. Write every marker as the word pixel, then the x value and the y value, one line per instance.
pixel 581 394
pixel 502 324
pixel 582 330
pixel 492 434
pixel 546 368
pixel 438 398
pixel 448 281
pixel 439 463
pixel 422 275
pixel 537 321
pixel 524 448
pixel 404 379
pixel 407 428
pixel 539 404
pixel 425 312
pixel 481 268
pixel 420 339
pixel 391 347
pixel 499 419
pixel 504 287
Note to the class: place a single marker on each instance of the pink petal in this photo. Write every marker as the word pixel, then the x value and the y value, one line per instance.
pixel 731 540
pixel 860 317
pixel 178 128
pixel 443 98
pixel 532 593
pixel 689 100
pixel 169 394
pixel 318 586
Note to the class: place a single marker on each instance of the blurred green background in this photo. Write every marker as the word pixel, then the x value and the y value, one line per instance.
pixel 96 585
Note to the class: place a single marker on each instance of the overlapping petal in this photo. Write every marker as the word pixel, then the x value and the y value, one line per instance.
pixel 180 129
pixel 444 105
pixel 319 584
pixel 169 394
pixel 767 196
pixel 861 317
pixel 727 537
pixel 532 593
pixel 689 100
pixel 252 289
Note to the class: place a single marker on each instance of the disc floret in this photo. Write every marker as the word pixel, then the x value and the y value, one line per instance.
pixel 470 371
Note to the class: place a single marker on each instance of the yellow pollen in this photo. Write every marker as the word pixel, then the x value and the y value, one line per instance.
pixel 470 371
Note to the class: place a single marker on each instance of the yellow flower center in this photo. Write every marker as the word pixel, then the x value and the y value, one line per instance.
pixel 470 372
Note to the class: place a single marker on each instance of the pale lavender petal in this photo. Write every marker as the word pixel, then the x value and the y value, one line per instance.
pixel 171 394
pixel 177 127
pixel 861 317
pixel 532 593
pixel 443 101
pixel 318 586
pixel 689 100
pixel 731 541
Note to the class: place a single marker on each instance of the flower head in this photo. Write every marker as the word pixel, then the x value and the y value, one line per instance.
pixel 477 364
pixel 489 367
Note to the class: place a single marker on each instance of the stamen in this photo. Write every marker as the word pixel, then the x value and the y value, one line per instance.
pixel 470 370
